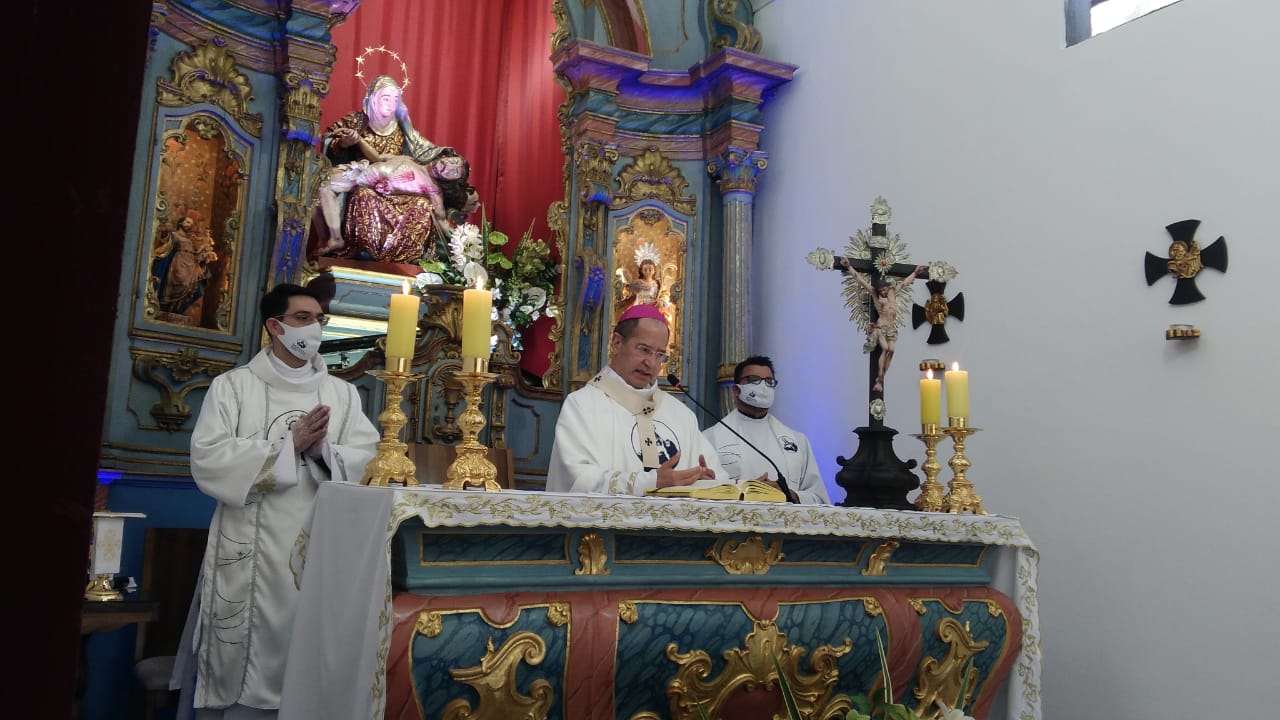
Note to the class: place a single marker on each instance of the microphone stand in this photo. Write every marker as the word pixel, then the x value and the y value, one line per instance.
pixel 782 481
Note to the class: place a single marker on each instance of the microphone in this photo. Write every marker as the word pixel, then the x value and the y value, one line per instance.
pixel 782 482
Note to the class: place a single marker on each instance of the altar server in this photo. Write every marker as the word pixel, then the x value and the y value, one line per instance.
pixel 769 445
pixel 268 433
pixel 620 434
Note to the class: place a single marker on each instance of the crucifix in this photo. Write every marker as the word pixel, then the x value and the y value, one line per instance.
pixel 877 289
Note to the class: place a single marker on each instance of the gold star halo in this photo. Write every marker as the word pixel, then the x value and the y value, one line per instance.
pixel 369 51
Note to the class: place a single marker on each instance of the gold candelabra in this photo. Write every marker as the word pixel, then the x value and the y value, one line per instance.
pixel 392 463
pixel 960 495
pixel 471 467
pixel 930 497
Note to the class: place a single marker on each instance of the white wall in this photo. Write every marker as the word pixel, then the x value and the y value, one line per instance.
pixel 1144 469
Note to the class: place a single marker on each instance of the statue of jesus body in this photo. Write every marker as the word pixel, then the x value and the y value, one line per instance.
pixel 882 332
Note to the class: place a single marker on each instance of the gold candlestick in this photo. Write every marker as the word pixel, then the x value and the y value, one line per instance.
pixel 392 463
pixel 930 497
pixel 471 467
pixel 960 495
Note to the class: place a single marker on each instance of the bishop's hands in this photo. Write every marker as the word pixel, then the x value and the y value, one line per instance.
pixel 764 478
pixel 668 476
pixel 310 430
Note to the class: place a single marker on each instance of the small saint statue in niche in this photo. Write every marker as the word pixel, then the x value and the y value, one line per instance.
pixel 645 288
pixel 181 265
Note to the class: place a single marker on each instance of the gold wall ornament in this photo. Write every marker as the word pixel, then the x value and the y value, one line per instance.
pixel 594 162
pixel 494 681
pixel 558 221
pixel 879 557
pixel 562 32
pixel 742 35
pixel 993 609
pixel 592 559
pixel 429 623
pixel 651 175
pixel 628 612
pixel 872 606
pixel 750 557
pixel 171 374
pixel 208 74
pixel 751 667
pixel 558 614
pixel 918 605
pixel 946 680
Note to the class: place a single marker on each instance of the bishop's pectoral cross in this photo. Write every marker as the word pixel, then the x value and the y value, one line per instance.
pixel 877 291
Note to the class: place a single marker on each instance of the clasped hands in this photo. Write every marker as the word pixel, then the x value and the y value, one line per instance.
pixel 310 430
pixel 668 476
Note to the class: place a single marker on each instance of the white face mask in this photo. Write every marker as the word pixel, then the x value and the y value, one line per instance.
pixel 758 395
pixel 302 342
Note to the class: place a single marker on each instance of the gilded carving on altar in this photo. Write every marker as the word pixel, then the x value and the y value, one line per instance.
pixel 196 232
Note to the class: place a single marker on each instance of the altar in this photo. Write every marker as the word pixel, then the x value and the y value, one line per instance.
pixel 422 602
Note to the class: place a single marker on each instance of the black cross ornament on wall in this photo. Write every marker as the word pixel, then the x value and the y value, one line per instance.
pixel 1185 261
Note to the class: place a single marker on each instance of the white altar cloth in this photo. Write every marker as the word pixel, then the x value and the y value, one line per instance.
pixel 337 661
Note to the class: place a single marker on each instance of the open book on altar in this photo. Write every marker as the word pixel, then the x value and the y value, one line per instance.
pixel 749 490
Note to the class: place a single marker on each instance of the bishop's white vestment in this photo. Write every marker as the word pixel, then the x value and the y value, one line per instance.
pixel 600 443
pixel 788 448
pixel 242 455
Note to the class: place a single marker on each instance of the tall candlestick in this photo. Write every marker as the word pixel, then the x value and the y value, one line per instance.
pixel 957 392
pixel 402 325
pixel 477 325
pixel 930 400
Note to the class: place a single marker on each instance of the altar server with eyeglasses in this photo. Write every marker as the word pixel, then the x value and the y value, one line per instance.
pixel 269 432
pixel 753 393
pixel 621 434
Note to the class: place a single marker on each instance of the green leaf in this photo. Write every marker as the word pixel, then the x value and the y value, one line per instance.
pixel 793 711
pixel 497 238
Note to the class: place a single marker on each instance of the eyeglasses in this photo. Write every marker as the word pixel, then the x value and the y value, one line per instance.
pixel 756 380
pixel 652 354
pixel 305 318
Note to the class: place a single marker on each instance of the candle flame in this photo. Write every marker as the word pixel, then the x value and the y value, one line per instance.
pixel 929 373
pixel 479 284
pixel 405 287
pixel 955 366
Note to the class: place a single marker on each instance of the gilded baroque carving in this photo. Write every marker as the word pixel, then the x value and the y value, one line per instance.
pixel 594 163
pixel 737 169
pixel 494 681
pixel 918 606
pixel 592 559
pixel 994 609
pixel 880 556
pixel 628 612
pixel 696 693
pixel 558 614
pixel 749 557
pixel 743 36
pixel 171 374
pixel 561 33
pixel 872 606
pixel 558 221
pixel 429 623
pixel 651 175
pixel 208 74
pixel 946 680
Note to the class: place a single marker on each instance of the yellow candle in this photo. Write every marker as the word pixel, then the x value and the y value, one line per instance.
pixel 930 400
pixel 477 325
pixel 402 325
pixel 957 392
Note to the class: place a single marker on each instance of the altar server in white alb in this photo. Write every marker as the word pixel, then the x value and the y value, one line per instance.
pixel 753 391
pixel 268 434
pixel 621 434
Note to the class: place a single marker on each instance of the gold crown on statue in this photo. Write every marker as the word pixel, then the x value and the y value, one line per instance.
pixel 369 51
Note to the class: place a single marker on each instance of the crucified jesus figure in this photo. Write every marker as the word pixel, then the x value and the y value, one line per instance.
pixel 883 330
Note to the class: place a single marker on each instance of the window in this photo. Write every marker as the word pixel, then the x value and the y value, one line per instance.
pixel 1086 18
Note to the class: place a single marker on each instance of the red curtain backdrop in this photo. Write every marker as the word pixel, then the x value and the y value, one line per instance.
pixel 480 80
